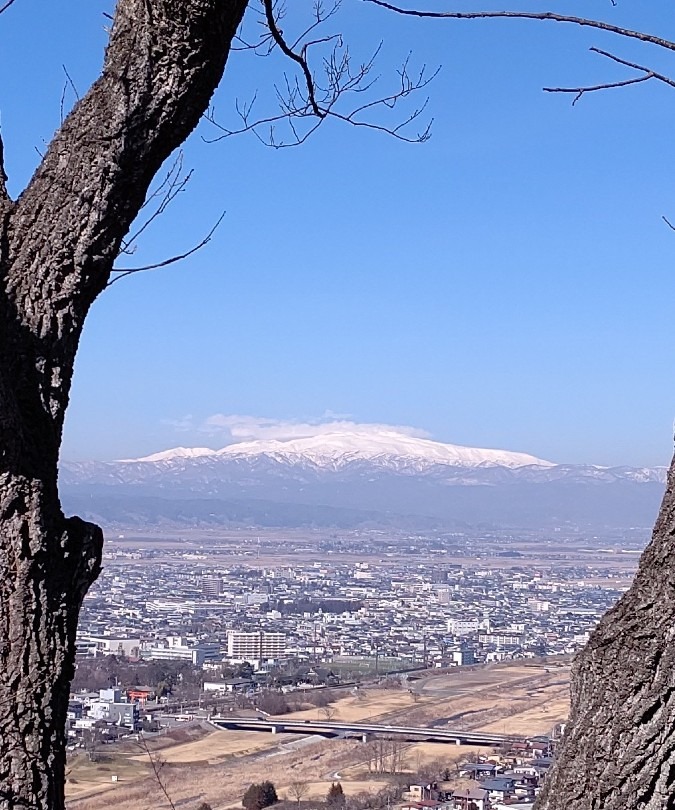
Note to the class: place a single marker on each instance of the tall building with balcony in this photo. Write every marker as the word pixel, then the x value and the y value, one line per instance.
pixel 255 646
pixel 212 586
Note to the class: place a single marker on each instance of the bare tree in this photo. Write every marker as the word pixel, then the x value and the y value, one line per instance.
pixel 298 790
pixel 327 712
pixel 92 738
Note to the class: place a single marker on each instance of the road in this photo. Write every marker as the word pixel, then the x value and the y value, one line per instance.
pixel 363 730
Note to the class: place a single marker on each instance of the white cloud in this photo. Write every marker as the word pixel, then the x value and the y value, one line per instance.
pixel 234 428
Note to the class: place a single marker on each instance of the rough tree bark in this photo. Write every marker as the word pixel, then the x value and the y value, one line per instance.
pixel 618 752
pixel 58 242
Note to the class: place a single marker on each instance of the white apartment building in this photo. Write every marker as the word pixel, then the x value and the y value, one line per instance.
pixel 92 646
pixel 465 627
pixel 255 646
pixel 212 586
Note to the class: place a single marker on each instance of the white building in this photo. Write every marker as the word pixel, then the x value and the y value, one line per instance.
pixel 465 627
pixel 255 646
pixel 92 646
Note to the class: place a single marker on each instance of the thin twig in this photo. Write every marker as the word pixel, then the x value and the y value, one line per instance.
pixel 176 185
pixel 648 74
pixel 635 66
pixel 6 6
pixel 71 82
pixel 156 766
pixel 123 272
pixel 580 91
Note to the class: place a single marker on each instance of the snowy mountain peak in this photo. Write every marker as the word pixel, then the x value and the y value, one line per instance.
pixel 171 455
pixel 339 448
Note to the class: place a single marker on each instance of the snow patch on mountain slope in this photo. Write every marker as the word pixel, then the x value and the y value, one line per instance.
pixel 334 450
pixel 170 455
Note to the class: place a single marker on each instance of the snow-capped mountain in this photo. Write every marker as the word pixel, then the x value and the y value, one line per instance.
pixel 174 453
pixel 354 478
pixel 386 448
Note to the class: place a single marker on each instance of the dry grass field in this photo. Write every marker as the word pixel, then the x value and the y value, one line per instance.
pixel 218 766
pixel 366 704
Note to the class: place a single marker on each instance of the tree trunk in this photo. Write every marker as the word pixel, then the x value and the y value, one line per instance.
pixel 58 242
pixel 47 564
pixel 618 751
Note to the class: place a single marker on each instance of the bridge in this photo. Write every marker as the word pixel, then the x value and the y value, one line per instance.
pixel 364 731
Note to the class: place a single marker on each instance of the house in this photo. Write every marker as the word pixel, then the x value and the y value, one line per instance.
pixel 445 790
pixel 75 710
pixel 418 793
pixel 540 746
pixel 499 788
pixel 542 764
pixel 423 804
pixel 479 770
pixel 123 714
pixel 470 799
pixel 228 685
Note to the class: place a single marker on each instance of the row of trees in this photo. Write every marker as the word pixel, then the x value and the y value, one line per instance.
pixel 260 795
pixel 164 676
pixel 264 794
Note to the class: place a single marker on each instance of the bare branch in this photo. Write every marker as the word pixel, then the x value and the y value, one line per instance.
pixel 647 75
pixel 653 74
pixel 319 17
pixel 71 82
pixel 305 101
pixel 529 15
pixel 127 271
pixel 6 5
pixel 156 764
pixel 580 91
pixel 68 83
pixel 171 186
pixel 300 59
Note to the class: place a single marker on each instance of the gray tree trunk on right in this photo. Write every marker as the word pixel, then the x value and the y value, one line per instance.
pixel 618 751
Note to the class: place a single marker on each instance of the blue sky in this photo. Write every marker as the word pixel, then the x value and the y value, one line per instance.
pixel 508 284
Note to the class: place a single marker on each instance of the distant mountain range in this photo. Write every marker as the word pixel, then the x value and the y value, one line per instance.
pixel 358 479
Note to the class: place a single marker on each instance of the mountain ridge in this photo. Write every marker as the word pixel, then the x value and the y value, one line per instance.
pixel 331 482
pixel 340 447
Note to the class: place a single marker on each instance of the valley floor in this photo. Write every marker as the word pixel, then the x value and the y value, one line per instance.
pixel 199 765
